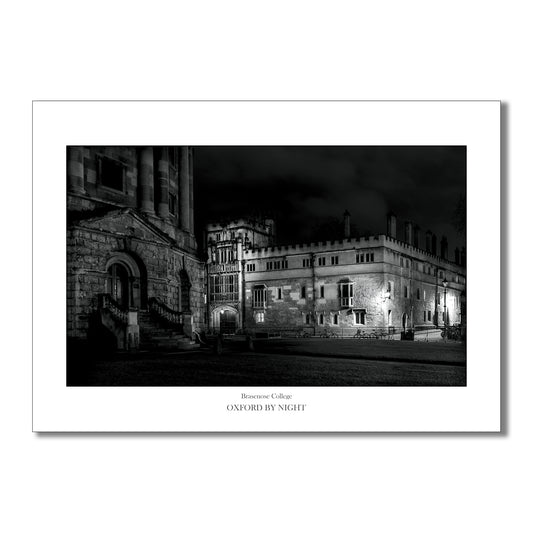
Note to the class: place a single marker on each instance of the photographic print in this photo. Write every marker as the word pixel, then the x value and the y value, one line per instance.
pixel 265 266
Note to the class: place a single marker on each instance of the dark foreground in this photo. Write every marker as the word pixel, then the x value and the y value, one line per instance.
pixel 283 362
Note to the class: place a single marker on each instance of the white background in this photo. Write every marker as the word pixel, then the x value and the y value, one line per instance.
pixel 58 124
pixel 381 50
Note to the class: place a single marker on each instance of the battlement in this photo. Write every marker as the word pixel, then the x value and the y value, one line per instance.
pixel 351 244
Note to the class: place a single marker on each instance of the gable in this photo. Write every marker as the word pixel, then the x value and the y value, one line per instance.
pixel 125 223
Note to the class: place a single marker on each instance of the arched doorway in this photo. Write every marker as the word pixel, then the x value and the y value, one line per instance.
pixel 126 280
pixel 228 322
pixel 225 320
pixel 118 284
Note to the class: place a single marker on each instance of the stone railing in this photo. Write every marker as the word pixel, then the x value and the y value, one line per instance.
pixel 121 322
pixel 105 301
pixel 162 310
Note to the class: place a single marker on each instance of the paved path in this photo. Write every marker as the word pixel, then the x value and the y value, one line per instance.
pixel 286 363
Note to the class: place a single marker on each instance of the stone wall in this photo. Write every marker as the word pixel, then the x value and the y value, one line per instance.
pixel 89 252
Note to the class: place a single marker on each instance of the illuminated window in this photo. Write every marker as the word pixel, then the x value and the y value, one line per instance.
pixel 346 294
pixel 260 317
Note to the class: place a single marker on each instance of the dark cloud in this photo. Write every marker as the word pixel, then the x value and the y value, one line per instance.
pixel 307 187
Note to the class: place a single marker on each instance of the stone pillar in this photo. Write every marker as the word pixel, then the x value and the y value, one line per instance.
pixel 146 179
pixel 184 194
pixel 162 181
pixel 191 192
pixel 76 180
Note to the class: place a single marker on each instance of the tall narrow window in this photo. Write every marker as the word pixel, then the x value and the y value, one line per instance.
pixel 172 203
pixel 303 292
pixel 335 319
pixel 346 290
pixel 279 293
pixel 321 291
pixel 111 173
pixel 259 296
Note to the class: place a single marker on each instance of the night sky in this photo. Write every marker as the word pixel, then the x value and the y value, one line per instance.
pixel 306 189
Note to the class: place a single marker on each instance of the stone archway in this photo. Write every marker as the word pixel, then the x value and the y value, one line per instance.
pixel 225 319
pixel 126 280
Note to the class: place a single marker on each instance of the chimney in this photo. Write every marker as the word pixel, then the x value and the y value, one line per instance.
pixel 408 232
pixel 434 244
pixel 428 241
pixel 416 237
pixel 444 247
pixel 391 225
pixel 347 224
pixel 457 257
pixel 271 228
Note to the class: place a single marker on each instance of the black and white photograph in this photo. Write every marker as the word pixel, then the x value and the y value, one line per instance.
pixel 265 267
pixel 288 265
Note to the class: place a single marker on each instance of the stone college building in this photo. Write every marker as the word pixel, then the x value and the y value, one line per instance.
pixel 135 278
pixel 379 284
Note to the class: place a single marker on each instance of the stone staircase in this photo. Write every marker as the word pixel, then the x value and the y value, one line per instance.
pixel 159 336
